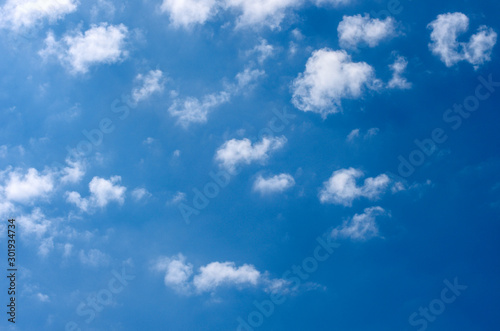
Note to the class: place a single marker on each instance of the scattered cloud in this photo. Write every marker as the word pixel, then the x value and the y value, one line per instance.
pixel 360 226
pixel 93 258
pixel 186 13
pixel 342 189
pixel 102 192
pixel 151 83
pixel 79 51
pixel 235 152
pixel 329 77
pixel 274 184
pixel 445 31
pixel 397 80
pixel 362 30
pixel 26 187
pixel 25 14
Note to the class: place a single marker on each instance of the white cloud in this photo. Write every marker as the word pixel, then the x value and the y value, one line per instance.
pixel 102 192
pixel 93 258
pixel 140 193
pixel 216 274
pixel 332 2
pixel 177 272
pixel 27 187
pixel 353 135
pixel 46 246
pixel 25 14
pixel 180 277
pixel 277 183
pixel 360 226
pixel 329 77
pixel 262 12
pixel 397 80
pixel 185 13
pixel 235 152
pixel 74 172
pixel 193 110
pixel 341 187
pixel 178 197
pixel 357 29
pixel 445 31
pixel 264 51
pixel 152 83
pixel 102 43
pixel 35 223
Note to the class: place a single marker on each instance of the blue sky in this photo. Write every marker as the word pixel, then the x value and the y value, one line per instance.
pixel 251 165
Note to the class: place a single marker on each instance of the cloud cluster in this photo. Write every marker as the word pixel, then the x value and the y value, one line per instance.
pixel 342 189
pixel 235 152
pixel 179 275
pixel 79 51
pixel 151 83
pixel 102 192
pixel 329 77
pixel 25 14
pixel 358 30
pixel 446 29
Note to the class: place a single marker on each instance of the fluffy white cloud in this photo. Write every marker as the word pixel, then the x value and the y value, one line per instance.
pixel 277 183
pixel 102 43
pixel 102 192
pixel 264 51
pixel 235 152
pixel 341 188
pixel 74 172
pixel 180 277
pixel 357 29
pixel 35 223
pixel 216 274
pixel 27 187
pixel 332 2
pixel 397 80
pixel 329 77
pixel 25 14
pixel 360 226
pixel 185 13
pixel 445 31
pixel 262 12
pixel 151 83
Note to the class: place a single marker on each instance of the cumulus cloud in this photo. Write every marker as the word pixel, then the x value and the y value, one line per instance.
pixel 179 276
pixel 79 51
pixel 341 188
pixel 445 31
pixel 262 12
pixel 274 184
pixel 102 192
pixel 24 14
pixel 397 80
pixel 329 77
pixel 185 13
pixel 27 187
pixel 263 50
pixel 357 29
pixel 151 83
pixel 360 226
pixel 74 172
pixel 235 152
